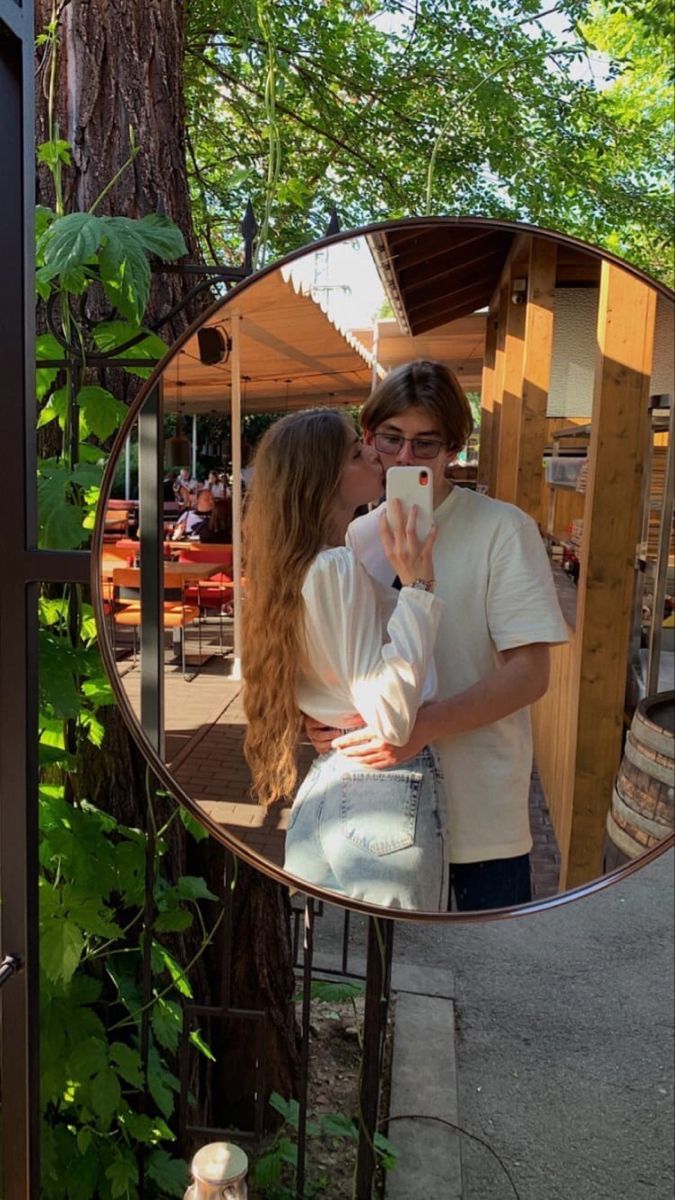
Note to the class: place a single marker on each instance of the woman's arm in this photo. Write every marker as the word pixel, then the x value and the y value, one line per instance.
pixel 383 678
pixel 521 681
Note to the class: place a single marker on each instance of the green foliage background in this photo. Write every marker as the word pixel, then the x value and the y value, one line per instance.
pixel 389 108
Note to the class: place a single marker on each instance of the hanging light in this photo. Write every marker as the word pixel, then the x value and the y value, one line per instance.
pixel 177 449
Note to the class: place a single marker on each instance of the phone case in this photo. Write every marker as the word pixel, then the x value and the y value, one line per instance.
pixel 413 485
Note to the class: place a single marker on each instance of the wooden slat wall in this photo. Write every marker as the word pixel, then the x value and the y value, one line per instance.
pixel 554 728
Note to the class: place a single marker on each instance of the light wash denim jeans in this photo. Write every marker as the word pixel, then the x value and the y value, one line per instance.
pixel 376 836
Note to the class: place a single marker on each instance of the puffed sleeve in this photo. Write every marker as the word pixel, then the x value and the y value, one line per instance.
pixel 343 629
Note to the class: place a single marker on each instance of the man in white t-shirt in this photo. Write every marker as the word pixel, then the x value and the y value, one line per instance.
pixel 501 614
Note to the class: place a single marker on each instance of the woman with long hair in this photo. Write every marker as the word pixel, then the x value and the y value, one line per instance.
pixel 322 638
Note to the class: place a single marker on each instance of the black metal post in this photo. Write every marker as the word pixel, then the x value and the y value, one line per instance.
pixel 304 1058
pixel 19 1048
pixel 380 944
pixel 150 511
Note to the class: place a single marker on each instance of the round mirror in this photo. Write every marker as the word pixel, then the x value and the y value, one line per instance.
pixel 518 747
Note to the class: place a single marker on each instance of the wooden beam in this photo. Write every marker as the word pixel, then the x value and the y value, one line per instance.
pixel 487 399
pixel 536 374
pixel 626 316
pixel 510 395
pixel 500 356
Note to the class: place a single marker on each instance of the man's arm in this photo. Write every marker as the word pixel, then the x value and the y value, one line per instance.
pixel 522 680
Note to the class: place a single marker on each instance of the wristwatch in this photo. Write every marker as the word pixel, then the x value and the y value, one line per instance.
pixel 423 585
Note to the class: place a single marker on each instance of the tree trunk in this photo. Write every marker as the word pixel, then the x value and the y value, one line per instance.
pixel 119 66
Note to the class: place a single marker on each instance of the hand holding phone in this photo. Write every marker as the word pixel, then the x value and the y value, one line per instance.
pixel 406 526
pixel 412 485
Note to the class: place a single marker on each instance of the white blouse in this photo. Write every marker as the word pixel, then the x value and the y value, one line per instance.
pixel 362 657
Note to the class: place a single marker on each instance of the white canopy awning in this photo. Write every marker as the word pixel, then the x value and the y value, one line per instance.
pixel 291 355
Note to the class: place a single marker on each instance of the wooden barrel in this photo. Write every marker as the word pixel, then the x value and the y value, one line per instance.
pixel 643 802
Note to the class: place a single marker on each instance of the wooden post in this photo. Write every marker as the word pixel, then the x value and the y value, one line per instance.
pixel 498 386
pixel 487 394
pixel 536 375
pixel 611 529
pixel 511 392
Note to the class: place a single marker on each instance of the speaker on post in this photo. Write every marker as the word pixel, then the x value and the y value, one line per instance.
pixel 214 346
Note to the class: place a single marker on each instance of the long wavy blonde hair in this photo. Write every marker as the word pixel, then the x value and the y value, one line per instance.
pixel 289 515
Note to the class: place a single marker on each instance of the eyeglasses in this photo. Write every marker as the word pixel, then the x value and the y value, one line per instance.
pixel 392 443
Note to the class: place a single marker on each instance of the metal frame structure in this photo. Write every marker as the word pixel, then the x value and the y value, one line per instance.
pixel 25 568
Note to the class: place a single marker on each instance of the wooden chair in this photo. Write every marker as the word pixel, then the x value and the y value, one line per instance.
pixel 211 595
pixel 115 524
pixel 127 610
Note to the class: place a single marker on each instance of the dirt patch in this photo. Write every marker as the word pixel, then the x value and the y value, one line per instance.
pixel 334 1069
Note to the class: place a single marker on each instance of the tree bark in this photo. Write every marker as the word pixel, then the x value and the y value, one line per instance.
pixel 119 66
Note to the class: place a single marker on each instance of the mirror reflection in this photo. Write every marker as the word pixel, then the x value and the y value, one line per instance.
pixel 477 719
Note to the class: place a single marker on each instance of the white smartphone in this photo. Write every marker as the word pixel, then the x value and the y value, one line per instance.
pixel 413 485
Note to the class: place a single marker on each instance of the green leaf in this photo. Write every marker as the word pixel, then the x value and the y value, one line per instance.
pixel 124 268
pixel 82 1183
pixel 84 1137
pixel 43 218
pixel 148 1130
pixel 198 1041
pixel 198 832
pixel 167 1022
pixel 193 887
pixel 61 945
pixel 287 1151
pixel 88 1058
pixel 123 1174
pixel 89 453
pixel 55 408
pixel 46 346
pixel 69 242
pixel 127 1063
pixel 111 334
pixel 289 1109
pixel 161 1084
pixel 53 152
pixel 175 920
pixel 162 237
pixel 170 1174
pixel 386 1150
pixel 90 914
pixel 106 1095
pixel 102 412
pixel 333 993
pixel 178 976
pixel 338 1125
pixel 267 1170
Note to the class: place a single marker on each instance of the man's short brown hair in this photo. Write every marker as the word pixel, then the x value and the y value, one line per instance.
pixel 421 384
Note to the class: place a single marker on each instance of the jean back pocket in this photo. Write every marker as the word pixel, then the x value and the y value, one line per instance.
pixel 378 809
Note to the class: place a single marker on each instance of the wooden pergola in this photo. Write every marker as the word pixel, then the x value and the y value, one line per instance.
pixel 433 277
pixel 578 724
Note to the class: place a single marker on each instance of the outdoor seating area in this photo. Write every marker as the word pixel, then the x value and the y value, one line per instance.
pixel 197 602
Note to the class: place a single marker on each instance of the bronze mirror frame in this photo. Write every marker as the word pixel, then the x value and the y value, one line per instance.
pixel 240 849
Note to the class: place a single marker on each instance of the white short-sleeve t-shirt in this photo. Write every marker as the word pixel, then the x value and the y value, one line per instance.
pixel 493 574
